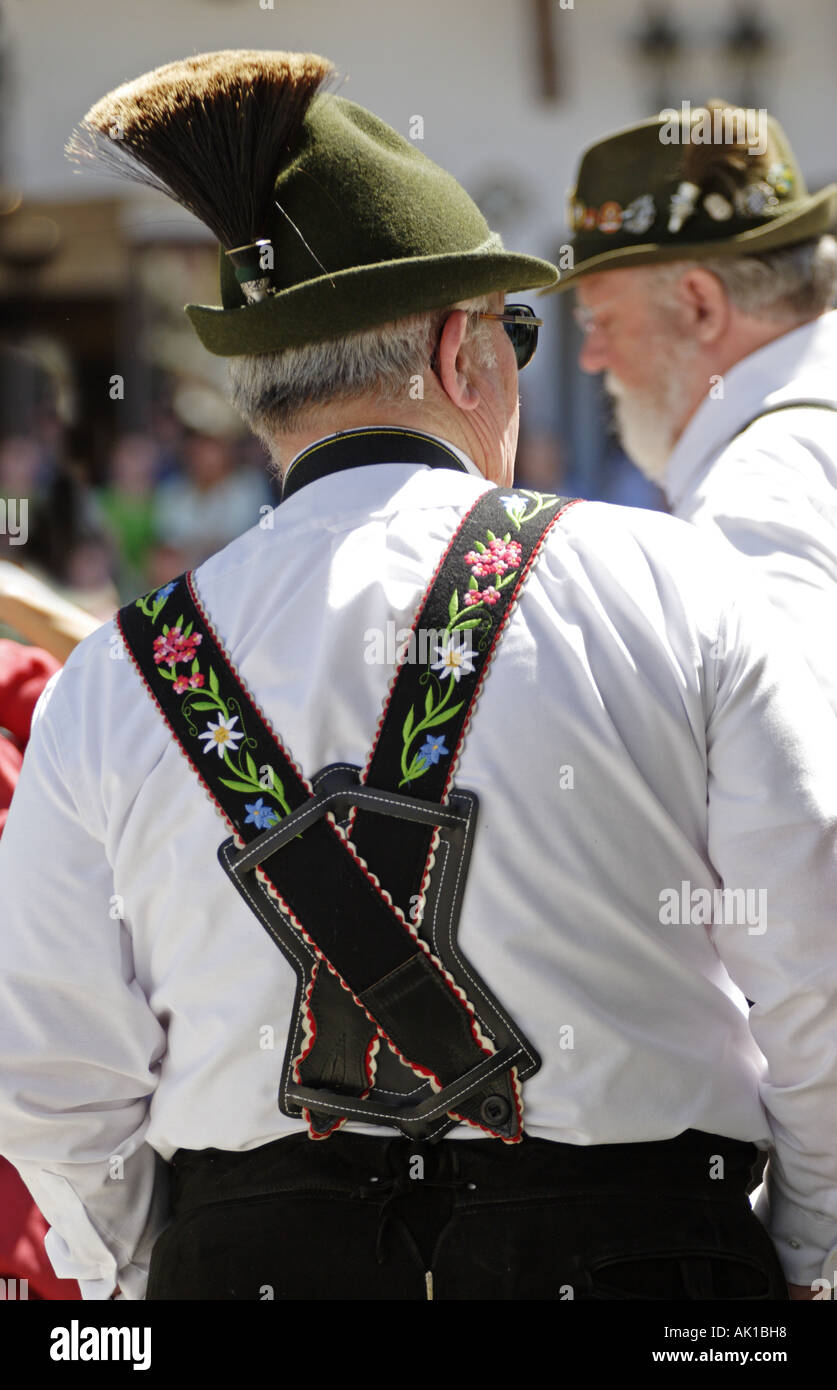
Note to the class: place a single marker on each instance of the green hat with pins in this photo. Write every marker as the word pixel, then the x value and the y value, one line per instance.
pixel 716 180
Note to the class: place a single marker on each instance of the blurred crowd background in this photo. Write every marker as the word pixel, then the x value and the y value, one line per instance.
pixel 114 424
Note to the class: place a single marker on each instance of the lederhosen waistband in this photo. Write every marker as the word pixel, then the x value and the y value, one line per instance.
pixel 375 1218
pixel 685 1164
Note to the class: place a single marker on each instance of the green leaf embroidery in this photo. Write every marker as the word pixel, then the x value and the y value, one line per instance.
pixel 251 767
pixel 279 793
pixel 428 703
pixel 491 536
pixel 195 667
pixel 204 704
pixel 213 681
pixel 188 629
pixel 470 622
pixel 453 606
pixel 408 725
pixel 473 584
pixel 443 717
pixel 235 786
pixel 478 545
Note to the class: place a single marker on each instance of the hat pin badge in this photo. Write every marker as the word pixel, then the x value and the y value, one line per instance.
pixel 682 205
pixel 250 262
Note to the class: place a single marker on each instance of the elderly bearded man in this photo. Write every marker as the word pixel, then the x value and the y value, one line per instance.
pixel 525 1077
pixel 705 276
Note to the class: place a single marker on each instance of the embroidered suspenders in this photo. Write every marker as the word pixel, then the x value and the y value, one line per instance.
pixel 357 875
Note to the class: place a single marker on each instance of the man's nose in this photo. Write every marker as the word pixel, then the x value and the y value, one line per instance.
pixel 593 356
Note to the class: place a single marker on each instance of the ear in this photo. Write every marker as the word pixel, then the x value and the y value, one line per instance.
pixel 452 362
pixel 707 304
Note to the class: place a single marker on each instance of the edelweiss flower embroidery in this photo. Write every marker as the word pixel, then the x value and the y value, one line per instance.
pixel 454 657
pixel 220 735
pixel 172 647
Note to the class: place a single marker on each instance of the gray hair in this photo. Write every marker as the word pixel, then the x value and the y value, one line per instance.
pixel 792 284
pixel 276 392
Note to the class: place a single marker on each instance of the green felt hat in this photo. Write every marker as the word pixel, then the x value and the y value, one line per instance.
pixel 330 222
pixel 685 185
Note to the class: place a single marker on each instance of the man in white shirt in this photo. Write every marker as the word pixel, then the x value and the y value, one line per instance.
pixel 705 276
pixel 655 841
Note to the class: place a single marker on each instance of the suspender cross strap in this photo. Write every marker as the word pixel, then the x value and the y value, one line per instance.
pixel 358 877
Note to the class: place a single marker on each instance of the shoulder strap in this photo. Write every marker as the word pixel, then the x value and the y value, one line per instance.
pixel 786 405
pixel 425 718
pixel 346 891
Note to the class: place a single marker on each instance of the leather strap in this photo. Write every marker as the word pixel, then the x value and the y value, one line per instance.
pixel 786 405
pixel 348 896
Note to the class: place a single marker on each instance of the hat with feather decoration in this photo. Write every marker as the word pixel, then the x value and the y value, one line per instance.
pixel 329 221
pixel 715 180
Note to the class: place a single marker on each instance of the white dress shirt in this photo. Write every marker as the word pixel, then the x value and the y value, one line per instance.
pixel 636 740
pixel 771 492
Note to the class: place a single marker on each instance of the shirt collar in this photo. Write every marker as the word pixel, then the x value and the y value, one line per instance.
pixel 802 361
pixel 461 455
pixel 467 463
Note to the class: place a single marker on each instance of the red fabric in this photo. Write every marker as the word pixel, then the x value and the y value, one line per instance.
pixel 24 671
pixel 22 1231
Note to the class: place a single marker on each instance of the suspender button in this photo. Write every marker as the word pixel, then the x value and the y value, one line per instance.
pixel 494 1110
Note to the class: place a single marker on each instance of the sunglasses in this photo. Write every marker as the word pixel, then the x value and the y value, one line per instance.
pixel 522 327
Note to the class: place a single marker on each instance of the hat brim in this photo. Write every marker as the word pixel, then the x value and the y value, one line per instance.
pixel 368 296
pixel 817 215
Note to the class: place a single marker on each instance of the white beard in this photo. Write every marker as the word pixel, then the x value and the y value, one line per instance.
pixel 648 421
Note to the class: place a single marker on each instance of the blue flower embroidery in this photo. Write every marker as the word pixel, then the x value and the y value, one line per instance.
pixel 515 506
pixel 164 592
pixel 432 750
pixel 260 815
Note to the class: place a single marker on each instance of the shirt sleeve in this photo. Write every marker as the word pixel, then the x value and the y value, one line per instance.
pixel 79 1044
pixel 772 834
pixel 783 522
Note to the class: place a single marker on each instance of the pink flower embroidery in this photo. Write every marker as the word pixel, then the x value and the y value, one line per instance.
pixel 498 557
pixel 472 596
pixel 509 552
pixel 481 564
pixel 172 647
pixel 490 595
pixel 185 682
